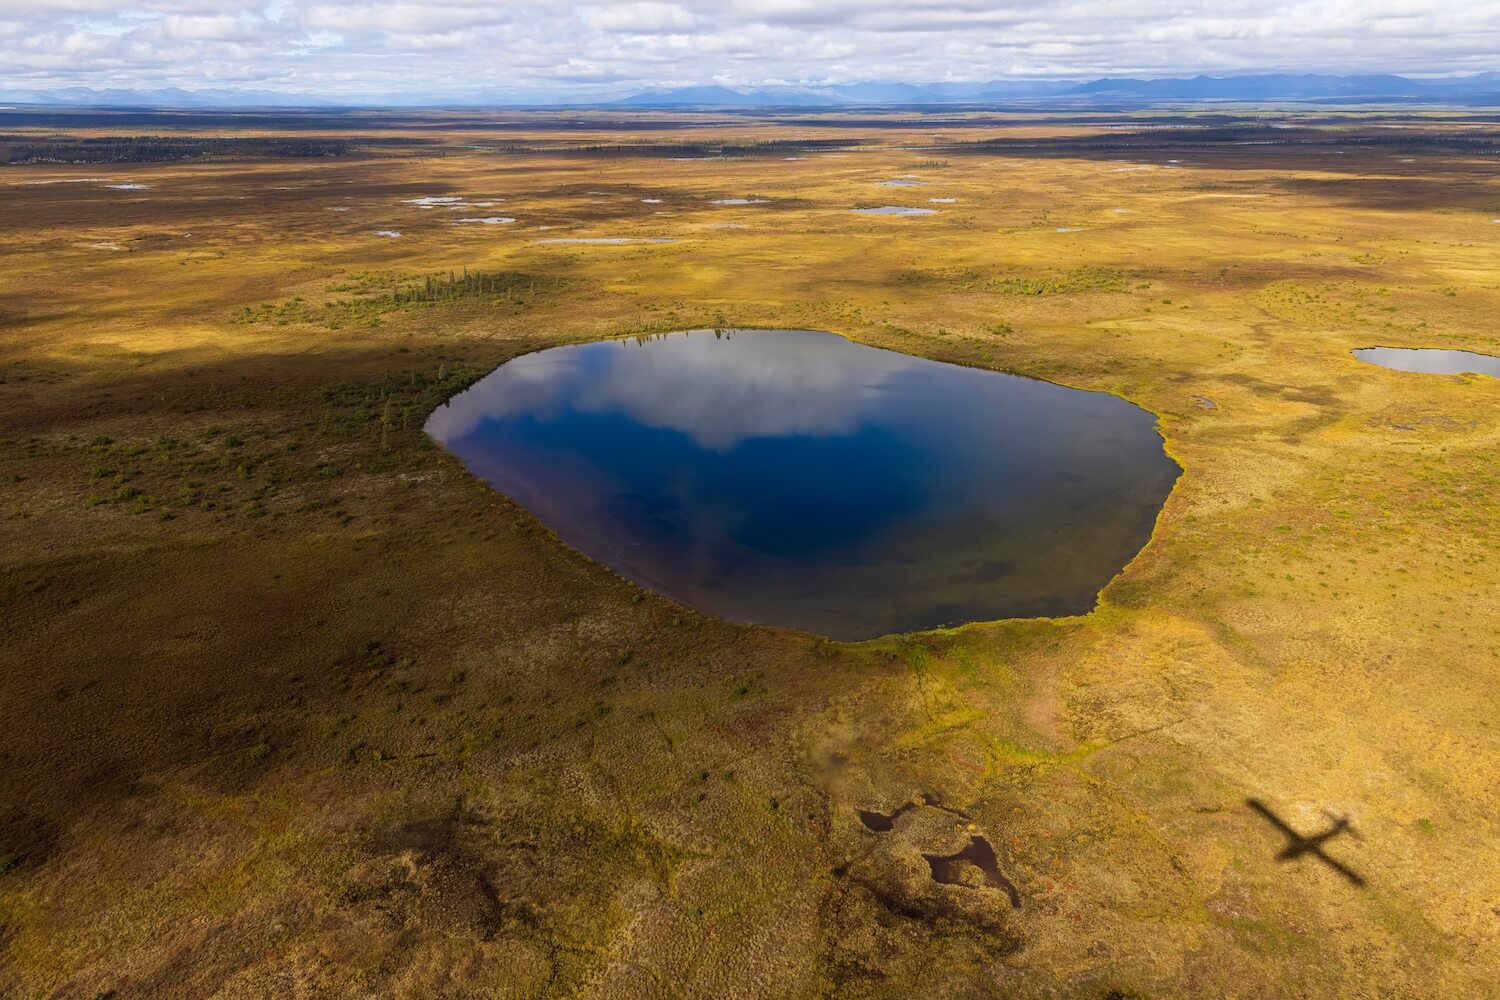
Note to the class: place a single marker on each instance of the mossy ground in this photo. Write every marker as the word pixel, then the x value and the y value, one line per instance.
pixel 293 704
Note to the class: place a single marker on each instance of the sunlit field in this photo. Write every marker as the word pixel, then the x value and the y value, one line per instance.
pixel 294 705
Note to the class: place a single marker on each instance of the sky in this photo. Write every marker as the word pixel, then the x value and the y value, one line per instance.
pixel 419 50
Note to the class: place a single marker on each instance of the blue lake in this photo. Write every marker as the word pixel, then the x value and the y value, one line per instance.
pixel 797 479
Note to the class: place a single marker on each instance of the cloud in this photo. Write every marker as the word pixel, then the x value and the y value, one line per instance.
pixel 452 49
pixel 642 18
pixel 214 28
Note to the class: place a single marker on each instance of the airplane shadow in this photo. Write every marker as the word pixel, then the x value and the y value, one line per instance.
pixel 1311 845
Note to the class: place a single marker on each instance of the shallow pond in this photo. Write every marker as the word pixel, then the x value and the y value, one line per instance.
pixel 980 855
pixel 1431 360
pixel 795 478
pixel 894 210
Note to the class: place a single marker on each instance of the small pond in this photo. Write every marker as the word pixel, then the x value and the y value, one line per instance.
pixel 795 478
pixel 1431 360
pixel 893 210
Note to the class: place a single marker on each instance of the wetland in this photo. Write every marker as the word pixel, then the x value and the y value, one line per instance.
pixel 296 699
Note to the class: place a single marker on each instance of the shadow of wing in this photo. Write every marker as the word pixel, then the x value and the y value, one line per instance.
pixel 1272 818
pixel 1344 870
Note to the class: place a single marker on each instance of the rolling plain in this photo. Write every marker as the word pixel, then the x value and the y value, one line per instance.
pixel 294 706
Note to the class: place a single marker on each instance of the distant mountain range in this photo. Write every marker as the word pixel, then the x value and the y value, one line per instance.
pixel 1259 87
pixel 1476 88
pixel 1271 86
pixel 843 95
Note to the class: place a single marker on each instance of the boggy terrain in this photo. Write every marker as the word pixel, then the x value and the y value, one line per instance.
pixel 293 705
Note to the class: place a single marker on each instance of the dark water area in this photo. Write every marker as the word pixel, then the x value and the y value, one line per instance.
pixel 880 822
pixel 1433 361
pixel 797 479
pixel 978 853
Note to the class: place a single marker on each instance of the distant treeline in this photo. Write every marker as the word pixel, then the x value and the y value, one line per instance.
pixel 469 284
pixel 1222 138
pixel 699 150
pixel 1134 137
pixel 156 148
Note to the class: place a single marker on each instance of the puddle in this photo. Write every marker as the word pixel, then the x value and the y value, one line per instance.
pixel 493 220
pixel 106 246
pixel 882 822
pixel 903 184
pixel 650 201
pixel 1431 360
pixel 742 201
pixel 894 210
pixel 1069 229
pixel 387 232
pixel 1205 402
pixel 128 187
pixel 942 201
pixel 432 201
pixel 953 869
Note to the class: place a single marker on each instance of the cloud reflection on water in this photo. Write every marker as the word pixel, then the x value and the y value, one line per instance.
pixel 718 391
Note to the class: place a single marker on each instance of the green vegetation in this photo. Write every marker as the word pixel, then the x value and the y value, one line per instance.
pixel 376 295
pixel 1080 279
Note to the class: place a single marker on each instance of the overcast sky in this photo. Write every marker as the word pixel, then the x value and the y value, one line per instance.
pixel 418 49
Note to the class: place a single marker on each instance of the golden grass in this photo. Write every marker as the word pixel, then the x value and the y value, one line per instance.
pixel 292 703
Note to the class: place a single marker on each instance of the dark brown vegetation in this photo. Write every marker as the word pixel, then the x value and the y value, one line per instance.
pixel 157 148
